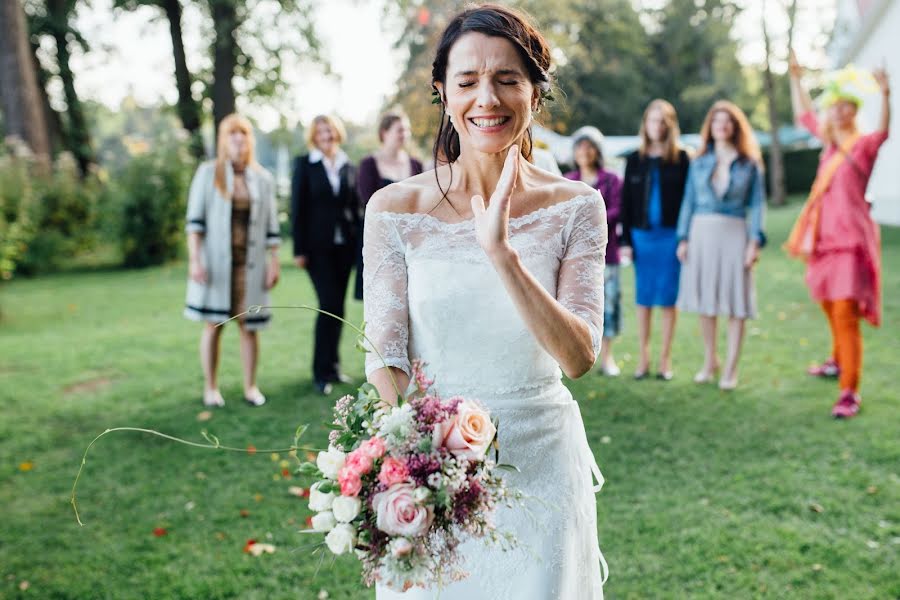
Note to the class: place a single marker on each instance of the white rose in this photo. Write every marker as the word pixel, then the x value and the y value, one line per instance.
pixel 401 547
pixel 324 521
pixel 345 508
pixel 319 501
pixel 421 494
pixel 341 539
pixel 330 462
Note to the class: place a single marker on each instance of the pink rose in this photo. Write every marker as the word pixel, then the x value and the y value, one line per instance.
pixel 359 461
pixel 470 432
pixel 398 513
pixel 349 480
pixel 393 471
pixel 374 448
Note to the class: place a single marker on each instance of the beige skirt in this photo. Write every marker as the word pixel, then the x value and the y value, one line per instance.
pixel 714 281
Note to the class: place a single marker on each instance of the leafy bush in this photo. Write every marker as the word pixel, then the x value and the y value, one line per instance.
pixel 46 216
pixel 152 193
pixel 799 169
pixel 16 230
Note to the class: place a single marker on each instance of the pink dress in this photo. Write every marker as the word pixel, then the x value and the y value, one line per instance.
pixel 846 262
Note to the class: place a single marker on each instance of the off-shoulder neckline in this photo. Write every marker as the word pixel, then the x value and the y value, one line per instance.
pixel 525 219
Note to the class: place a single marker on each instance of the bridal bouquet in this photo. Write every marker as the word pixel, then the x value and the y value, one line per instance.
pixel 402 487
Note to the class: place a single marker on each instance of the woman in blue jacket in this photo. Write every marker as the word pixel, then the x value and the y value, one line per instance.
pixel 720 234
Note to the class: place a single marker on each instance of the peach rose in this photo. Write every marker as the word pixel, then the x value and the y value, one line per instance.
pixel 398 513
pixel 470 432
pixel 374 448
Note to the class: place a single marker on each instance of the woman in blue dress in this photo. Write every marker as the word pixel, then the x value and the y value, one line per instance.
pixel 655 177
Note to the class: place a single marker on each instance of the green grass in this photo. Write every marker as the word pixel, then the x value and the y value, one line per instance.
pixel 752 494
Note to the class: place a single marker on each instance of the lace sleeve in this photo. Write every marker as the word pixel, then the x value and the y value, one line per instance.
pixel 384 289
pixel 580 284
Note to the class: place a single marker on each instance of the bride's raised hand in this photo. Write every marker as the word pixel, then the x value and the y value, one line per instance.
pixel 492 222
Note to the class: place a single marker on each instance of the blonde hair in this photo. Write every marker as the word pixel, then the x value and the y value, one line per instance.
pixel 742 138
pixel 672 141
pixel 337 129
pixel 228 125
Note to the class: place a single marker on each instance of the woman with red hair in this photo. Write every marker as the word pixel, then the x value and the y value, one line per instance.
pixel 232 222
pixel 720 234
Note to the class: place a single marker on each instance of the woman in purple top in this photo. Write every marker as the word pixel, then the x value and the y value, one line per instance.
pixel 387 165
pixel 588 150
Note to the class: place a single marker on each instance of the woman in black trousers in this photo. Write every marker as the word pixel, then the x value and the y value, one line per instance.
pixel 325 216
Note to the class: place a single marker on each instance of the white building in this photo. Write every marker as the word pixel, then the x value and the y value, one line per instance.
pixel 867 34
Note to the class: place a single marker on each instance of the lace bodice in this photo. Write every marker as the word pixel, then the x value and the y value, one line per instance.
pixel 432 294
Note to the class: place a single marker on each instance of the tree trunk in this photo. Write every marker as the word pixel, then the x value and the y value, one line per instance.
pixel 55 132
pixel 188 109
pixel 78 134
pixel 776 157
pixel 225 21
pixel 19 94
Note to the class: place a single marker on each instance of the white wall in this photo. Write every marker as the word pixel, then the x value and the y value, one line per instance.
pixel 882 47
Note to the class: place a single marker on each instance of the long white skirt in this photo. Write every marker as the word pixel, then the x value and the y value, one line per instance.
pixel 558 554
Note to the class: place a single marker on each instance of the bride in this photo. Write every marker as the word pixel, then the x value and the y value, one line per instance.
pixel 497 297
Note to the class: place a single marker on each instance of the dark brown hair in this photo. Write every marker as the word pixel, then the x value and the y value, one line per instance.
pixel 387 121
pixel 495 21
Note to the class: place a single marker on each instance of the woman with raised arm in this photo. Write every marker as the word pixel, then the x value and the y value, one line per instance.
pixel 720 232
pixel 834 232
pixel 655 175
pixel 490 270
pixel 233 239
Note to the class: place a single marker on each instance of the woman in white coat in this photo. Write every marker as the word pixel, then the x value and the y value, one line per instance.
pixel 232 223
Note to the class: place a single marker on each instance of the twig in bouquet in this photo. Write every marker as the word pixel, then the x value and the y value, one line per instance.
pixel 256 308
pixel 213 444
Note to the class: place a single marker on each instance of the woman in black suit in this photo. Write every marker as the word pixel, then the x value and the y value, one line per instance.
pixel 325 217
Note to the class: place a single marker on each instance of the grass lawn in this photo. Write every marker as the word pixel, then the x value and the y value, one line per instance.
pixel 750 494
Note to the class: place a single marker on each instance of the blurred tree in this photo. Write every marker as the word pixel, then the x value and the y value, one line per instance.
pixel 252 39
pixel 693 58
pixel 188 108
pixel 19 91
pixel 52 19
pixel 777 192
pixel 603 60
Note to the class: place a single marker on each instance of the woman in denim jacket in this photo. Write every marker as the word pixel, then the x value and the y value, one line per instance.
pixel 720 234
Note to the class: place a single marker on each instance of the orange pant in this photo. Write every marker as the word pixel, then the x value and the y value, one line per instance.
pixel 843 317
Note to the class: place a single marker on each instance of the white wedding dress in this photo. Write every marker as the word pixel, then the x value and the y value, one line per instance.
pixel 432 294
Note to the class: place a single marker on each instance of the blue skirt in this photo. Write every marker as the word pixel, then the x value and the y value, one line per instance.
pixel 656 266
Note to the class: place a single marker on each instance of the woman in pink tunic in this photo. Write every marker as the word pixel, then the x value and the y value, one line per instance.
pixel 834 233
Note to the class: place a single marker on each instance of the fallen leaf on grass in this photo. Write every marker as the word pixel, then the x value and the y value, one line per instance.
pixel 256 549
pixel 872 544
pixel 24 585
pixel 323 595
pixel 816 508
pixel 817 567
pixel 220 536
pixel 298 491
pixel 190 505
pixel 26 466
pixel 258 497
pixel 605 439
pixel 160 531
pixel 872 490
pixel 244 513
pixel 205 415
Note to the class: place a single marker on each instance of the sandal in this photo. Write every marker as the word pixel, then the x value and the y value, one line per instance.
pixel 213 398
